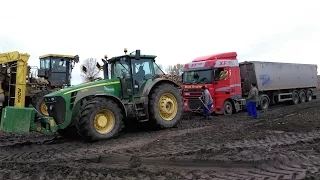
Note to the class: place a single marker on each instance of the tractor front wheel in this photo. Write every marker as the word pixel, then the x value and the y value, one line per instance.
pixel 39 103
pixel 165 106
pixel 99 119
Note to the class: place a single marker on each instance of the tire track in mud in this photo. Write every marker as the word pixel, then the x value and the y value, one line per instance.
pixel 285 166
pixel 47 153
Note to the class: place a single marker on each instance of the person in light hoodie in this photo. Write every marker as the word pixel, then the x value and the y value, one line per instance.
pixel 208 102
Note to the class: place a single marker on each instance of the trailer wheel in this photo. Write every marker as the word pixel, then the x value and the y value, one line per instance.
pixel 295 97
pixel 165 106
pixel 264 103
pixel 309 95
pixel 227 108
pixel 39 104
pixel 99 119
pixel 302 97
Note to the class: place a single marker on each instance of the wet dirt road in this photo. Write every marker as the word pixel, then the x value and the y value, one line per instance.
pixel 283 144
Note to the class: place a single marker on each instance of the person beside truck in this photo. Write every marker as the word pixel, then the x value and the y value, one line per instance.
pixel 253 98
pixel 207 102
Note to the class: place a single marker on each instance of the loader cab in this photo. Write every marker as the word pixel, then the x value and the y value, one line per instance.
pixel 134 70
pixel 57 69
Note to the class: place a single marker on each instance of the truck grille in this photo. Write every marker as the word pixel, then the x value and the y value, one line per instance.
pixel 194 103
pixel 57 109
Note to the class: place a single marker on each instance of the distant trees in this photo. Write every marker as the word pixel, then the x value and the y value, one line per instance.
pixel 174 69
pixel 90 71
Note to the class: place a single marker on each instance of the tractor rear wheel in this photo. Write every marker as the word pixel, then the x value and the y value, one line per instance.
pixel 39 103
pixel 99 119
pixel 165 106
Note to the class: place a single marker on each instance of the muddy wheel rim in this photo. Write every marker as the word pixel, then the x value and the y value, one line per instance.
pixel 303 97
pixel 228 109
pixel 43 108
pixel 168 106
pixel 104 121
pixel 309 96
pixel 264 103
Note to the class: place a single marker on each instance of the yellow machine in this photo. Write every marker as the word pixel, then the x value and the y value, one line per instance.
pixel 20 87
pixel 14 71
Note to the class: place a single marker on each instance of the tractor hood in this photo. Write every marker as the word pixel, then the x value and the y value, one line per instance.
pixel 83 87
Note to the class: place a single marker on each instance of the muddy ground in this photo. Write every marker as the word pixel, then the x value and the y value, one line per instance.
pixel 283 144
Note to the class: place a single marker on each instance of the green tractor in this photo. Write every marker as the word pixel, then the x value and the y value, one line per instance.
pixel 131 91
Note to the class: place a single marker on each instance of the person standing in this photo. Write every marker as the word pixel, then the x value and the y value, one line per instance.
pixel 252 99
pixel 207 100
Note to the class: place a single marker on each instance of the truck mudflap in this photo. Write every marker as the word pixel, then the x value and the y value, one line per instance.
pixel 24 120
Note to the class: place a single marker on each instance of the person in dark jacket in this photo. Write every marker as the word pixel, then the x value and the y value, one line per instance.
pixel 207 100
pixel 252 100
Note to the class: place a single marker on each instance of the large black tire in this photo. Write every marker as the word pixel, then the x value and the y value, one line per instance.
pixel 295 98
pixel 38 103
pixel 227 108
pixel 264 103
pixel 302 96
pixel 165 95
pixel 102 107
pixel 309 95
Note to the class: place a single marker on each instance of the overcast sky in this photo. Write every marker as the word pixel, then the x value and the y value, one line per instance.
pixel 176 31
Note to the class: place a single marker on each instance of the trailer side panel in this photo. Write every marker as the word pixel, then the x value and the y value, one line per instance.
pixel 278 76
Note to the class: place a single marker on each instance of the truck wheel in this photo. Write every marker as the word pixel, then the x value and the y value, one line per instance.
pixel 264 103
pixel 295 97
pixel 309 96
pixel 227 108
pixel 99 119
pixel 165 106
pixel 302 97
pixel 39 104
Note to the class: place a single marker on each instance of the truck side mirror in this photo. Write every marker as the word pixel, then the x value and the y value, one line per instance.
pixel 137 55
pixel 182 75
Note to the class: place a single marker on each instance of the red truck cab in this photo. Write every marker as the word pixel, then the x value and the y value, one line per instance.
pixel 220 73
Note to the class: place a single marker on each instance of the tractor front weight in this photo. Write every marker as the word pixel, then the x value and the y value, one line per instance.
pixel 25 120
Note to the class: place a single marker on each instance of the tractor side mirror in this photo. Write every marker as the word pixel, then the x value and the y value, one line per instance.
pixel 137 57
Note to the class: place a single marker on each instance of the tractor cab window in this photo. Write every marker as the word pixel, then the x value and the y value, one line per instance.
pixel 141 70
pixel 157 69
pixel 59 65
pixel 120 69
pixel 220 74
pixel 45 63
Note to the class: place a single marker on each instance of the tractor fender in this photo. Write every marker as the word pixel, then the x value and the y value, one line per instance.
pixel 116 100
pixel 155 82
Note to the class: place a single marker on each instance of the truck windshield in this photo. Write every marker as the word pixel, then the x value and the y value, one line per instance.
pixel 197 77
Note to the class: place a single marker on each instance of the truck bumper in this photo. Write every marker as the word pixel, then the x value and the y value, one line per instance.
pixel 23 120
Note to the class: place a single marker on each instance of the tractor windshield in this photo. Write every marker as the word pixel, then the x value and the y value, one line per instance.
pixel 197 77
pixel 58 65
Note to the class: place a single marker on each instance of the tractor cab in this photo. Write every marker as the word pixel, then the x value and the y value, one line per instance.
pixel 57 69
pixel 134 71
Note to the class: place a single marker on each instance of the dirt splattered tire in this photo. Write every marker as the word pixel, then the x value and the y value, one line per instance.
pixel 264 103
pixel 38 102
pixel 302 96
pixel 227 108
pixel 295 98
pixel 95 114
pixel 309 95
pixel 165 106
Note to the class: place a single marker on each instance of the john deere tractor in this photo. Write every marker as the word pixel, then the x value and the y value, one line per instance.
pixel 97 110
